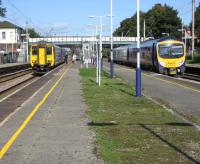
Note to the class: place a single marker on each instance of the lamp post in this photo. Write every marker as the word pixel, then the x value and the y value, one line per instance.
pixel 100 38
pixel 27 42
pixel 100 58
pixel 138 69
pixel 193 27
pixel 111 40
pixel 183 30
pixel 96 53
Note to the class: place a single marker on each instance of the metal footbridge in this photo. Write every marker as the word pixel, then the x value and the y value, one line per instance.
pixel 77 40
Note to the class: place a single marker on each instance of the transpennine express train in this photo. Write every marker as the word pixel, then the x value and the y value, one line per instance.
pixel 165 55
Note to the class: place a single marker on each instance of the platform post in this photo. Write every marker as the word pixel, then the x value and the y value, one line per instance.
pixel 138 69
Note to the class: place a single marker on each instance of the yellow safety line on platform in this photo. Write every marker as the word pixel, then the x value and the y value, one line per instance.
pixel 189 88
pixel 30 116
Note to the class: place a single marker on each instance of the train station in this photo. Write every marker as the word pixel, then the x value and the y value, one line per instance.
pixel 124 89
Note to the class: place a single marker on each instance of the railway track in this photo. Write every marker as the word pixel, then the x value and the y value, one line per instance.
pixel 7 69
pixel 192 72
pixel 12 81
pixel 191 77
pixel 23 91
pixel 10 76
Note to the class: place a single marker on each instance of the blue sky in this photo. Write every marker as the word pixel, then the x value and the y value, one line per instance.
pixel 70 17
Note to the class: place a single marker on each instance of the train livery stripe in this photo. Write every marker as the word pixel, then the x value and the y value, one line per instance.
pixel 30 116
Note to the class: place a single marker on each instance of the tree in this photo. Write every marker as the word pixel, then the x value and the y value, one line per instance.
pixel 128 27
pixel 33 33
pixel 160 19
pixel 125 26
pixel 163 19
pixel 2 10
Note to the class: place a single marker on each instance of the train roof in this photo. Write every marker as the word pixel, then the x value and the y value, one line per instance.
pixel 125 47
pixel 147 43
pixel 152 41
pixel 42 42
pixel 122 47
pixel 45 42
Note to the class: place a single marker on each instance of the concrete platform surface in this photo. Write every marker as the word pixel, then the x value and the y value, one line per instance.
pixel 7 65
pixel 58 133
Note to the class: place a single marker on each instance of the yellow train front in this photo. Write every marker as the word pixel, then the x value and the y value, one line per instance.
pixel 170 55
pixel 45 56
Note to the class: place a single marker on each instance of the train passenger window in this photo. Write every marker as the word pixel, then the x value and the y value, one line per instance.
pixel 34 50
pixel 49 50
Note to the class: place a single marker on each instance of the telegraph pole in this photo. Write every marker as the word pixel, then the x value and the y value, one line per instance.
pixel 193 19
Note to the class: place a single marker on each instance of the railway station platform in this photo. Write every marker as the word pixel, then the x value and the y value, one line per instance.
pixel 58 131
pixel 193 69
pixel 180 95
pixel 51 126
pixel 193 65
pixel 8 65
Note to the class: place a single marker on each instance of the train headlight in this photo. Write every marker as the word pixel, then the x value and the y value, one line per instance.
pixel 33 61
pixel 181 63
pixel 162 63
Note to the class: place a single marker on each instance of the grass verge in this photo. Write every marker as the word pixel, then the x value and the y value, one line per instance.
pixel 135 130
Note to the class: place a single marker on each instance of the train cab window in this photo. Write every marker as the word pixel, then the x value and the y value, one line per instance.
pixel 34 50
pixel 171 50
pixel 49 50
pixel 177 49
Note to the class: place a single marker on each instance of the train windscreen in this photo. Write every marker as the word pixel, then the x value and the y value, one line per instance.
pixel 171 50
pixel 48 50
pixel 34 50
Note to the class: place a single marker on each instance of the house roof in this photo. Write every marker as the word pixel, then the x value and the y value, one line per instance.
pixel 6 24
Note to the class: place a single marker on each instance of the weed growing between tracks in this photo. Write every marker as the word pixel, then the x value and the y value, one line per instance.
pixel 135 130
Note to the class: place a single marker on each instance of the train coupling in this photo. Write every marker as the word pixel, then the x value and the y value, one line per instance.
pixel 172 71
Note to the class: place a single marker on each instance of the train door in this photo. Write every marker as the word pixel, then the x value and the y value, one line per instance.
pixel 127 55
pixel 154 56
pixel 42 56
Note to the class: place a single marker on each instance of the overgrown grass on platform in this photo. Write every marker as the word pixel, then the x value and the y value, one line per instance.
pixel 135 130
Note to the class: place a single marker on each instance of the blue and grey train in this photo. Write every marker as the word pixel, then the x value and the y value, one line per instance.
pixel 165 55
